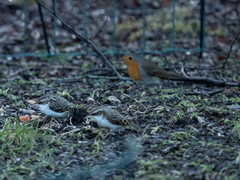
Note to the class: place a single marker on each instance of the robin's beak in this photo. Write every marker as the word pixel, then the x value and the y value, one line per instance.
pixel 119 59
pixel 125 58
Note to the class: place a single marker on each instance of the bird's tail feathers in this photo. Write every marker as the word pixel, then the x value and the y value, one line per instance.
pixel 133 126
pixel 172 76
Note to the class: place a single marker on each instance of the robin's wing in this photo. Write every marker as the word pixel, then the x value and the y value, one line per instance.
pixel 152 69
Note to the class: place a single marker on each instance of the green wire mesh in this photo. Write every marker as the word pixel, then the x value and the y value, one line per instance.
pixel 113 49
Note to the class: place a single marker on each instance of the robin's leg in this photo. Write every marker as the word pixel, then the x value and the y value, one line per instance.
pixel 161 85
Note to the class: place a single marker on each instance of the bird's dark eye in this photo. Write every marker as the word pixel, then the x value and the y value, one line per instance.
pixel 130 58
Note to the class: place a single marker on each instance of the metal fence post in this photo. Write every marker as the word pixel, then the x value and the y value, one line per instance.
pixel 44 28
pixel 173 25
pixel 25 25
pixel 114 28
pixel 84 25
pixel 202 23
pixel 143 26
pixel 54 26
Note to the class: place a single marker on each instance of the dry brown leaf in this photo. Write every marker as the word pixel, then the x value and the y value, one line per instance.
pixel 90 99
pixel 1 109
pixel 24 118
pixel 143 94
pixel 35 117
pixel 32 101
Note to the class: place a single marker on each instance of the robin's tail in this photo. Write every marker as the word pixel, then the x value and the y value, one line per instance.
pixel 162 74
pixel 199 80
pixel 171 76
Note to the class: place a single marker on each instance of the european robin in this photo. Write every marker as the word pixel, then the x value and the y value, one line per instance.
pixel 54 106
pixel 110 118
pixel 146 72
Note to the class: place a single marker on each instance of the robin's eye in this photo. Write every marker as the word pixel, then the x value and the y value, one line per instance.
pixel 130 58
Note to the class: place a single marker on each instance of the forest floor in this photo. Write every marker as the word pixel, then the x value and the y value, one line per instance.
pixel 187 131
pixel 182 135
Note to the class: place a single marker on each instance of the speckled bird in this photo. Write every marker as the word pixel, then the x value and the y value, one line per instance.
pixel 111 118
pixel 54 106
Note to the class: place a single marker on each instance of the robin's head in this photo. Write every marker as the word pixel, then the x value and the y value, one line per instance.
pixel 132 58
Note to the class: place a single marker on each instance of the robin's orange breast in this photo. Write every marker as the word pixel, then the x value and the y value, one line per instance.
pixel 133 70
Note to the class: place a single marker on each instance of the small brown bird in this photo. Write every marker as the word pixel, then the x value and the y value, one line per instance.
pixel 54 106
pixel 147 72
pixel 111 118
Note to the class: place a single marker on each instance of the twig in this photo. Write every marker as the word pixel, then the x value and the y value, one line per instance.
pixel 106 77
pixel 66 80
pixel 100 29
pixel 89 43
pixel 183 71
pixel 106 89
pixel 199 93
pixel 192 68
pixel 200 80
pixel 232 43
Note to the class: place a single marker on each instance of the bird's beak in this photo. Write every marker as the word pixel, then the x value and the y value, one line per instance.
pixel 125 58
pixel 88 117
pixel 35 106
pixel 119 59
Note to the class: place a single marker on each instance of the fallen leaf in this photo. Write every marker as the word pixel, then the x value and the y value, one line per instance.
pixel 136 3
pixel 166 3
pixel 220 58
pixel 24 118
pixel 32 101
pixel 143 94
pixel 90 99
pixel 34 117
pixel 1 109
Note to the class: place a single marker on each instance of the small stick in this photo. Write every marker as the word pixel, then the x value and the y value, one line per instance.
pixel 89 43
pixel 232 43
